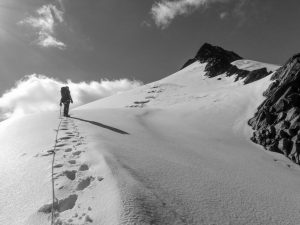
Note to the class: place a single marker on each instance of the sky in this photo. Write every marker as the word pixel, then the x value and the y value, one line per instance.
pixel 94 40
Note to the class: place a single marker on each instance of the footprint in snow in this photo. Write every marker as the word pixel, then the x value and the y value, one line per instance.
pixel 141 102
pixel 60 205
pixel 83 184
pixel 58 166
pixel 64 138
pixel 72 161
pixel 60 145
pixel 70 174
pixel 76 153
pixel 88 219
pixel 68 150
pixel 149 97
pixel 83 167
pixel 45 154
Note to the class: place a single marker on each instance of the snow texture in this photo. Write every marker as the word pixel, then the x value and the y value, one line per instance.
pixel 176 151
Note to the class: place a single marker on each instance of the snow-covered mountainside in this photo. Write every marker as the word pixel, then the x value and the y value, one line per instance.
pixel 176 151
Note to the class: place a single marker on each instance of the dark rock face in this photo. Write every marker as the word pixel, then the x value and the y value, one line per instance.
pixel 255 75
pixel 189 62
pixel 277 121
pixel 219 61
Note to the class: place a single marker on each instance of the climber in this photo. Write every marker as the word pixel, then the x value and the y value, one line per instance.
pixel 65 99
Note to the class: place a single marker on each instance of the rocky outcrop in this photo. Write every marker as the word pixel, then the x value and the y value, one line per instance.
pixel 219 62
pixel 277 121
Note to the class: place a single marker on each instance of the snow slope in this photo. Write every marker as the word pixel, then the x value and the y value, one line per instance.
pixel 176 151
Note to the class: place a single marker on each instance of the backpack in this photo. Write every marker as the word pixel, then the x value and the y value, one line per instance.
pixel 65 94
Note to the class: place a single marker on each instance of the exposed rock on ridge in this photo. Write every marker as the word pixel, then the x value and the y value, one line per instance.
pixel 277 121
pixel 219 62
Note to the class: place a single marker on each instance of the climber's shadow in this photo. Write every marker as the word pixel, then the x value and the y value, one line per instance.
pixel 101 125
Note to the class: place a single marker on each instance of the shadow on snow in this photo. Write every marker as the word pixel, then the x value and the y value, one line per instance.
pixel 101 125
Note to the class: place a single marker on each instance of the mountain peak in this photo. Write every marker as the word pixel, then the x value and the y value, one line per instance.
pixel 208 53
pixel 216 58
pixel 219 61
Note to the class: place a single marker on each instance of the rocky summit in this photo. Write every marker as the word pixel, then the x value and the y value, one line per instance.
pixel 277 121
pixel 219 62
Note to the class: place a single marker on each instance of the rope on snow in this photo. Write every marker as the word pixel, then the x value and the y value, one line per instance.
pixel 52 169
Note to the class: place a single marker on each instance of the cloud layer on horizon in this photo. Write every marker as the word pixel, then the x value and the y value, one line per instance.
pixel 38 93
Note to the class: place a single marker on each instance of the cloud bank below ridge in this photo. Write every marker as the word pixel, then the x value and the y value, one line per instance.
pixel 38 93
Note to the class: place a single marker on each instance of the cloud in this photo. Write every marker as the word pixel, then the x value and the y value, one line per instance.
pixel 163 12
pixel 47 41
pixel 240 11
pixel 223 15
pixel 145 24
pixel 46 19
pixel 38 93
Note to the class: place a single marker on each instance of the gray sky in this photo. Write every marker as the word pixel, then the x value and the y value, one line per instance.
pixel 85 40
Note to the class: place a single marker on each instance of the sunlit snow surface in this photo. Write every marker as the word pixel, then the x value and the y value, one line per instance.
pixel 251 65
pixel 176 151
